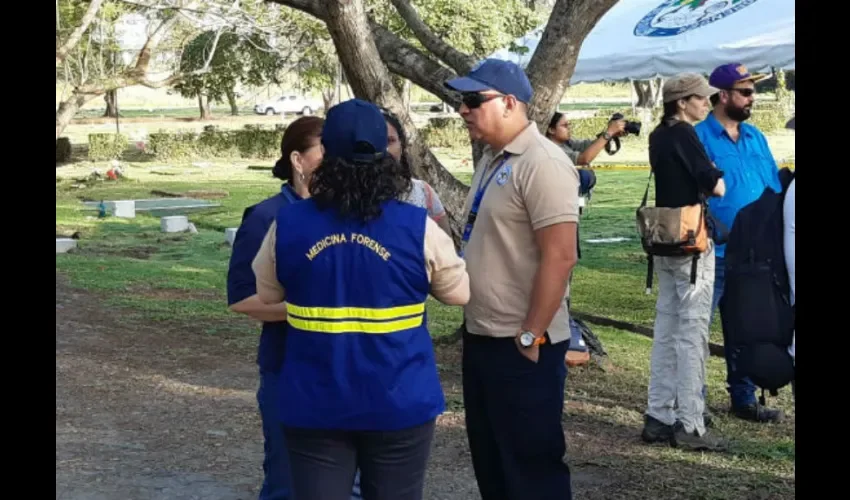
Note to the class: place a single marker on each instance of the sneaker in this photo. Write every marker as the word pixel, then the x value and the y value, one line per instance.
pixel 758 413
pixel 656 431
pixel 694 442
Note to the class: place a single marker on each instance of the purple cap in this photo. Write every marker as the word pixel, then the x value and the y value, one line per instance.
pixel 726 76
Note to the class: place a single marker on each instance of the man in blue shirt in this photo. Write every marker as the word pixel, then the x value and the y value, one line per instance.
pixel 741 151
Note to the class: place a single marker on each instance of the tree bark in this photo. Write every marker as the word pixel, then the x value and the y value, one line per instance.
pixel 231 99
pixel 370 80
pixel 402 86
pixel 328 96
pixel 456 59
pixel 647 92
pixel 204 106
pixel 111 98
pixel 362 44
pixel 555 58
pixel 401 57
pixel 69 108
pixel 77 34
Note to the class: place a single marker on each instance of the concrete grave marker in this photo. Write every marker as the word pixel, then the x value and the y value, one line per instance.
pixel 65 244
pixel 124 208
pixel 230 235
pixel 174 224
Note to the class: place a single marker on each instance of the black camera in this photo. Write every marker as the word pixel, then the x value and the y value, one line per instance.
pixel 631 127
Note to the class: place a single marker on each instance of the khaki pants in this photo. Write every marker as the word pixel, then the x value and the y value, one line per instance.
pixel 680 343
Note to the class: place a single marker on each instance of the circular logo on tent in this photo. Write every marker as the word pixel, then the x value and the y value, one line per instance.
pixel 674 17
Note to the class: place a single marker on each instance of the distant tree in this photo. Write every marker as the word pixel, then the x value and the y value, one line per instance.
pixel 246 60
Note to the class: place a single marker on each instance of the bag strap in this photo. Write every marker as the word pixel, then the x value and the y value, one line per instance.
pixel 646 193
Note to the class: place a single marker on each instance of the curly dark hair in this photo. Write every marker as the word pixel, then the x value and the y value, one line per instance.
pixel 358 189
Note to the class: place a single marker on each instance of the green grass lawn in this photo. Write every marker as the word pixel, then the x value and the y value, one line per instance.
pixel 159 277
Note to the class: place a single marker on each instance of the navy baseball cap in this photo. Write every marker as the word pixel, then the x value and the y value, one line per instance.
pixel 726 76
pixel 355 130
pixel 495 74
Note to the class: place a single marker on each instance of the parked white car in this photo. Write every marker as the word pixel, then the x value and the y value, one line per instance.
pixel 289 104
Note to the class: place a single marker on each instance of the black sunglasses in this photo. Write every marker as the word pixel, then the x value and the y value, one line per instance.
pixel 744 92
pixel 475 99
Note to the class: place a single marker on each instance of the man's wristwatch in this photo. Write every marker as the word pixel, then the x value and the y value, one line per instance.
pixel 527 339
pixel 605 135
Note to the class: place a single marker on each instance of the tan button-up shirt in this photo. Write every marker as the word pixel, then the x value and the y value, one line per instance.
pixel 536 187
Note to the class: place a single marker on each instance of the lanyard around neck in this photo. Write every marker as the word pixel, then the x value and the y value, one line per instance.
pixel 476 201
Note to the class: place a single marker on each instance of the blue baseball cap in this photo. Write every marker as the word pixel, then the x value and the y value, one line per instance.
pixel 355 130
pixel 495 74
pixel 726 76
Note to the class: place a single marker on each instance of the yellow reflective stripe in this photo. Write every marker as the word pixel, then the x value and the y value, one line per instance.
pixel 354 326
pixel 355 312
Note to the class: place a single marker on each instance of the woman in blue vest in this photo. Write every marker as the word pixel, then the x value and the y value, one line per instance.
pixel 301 152
pixel 359 384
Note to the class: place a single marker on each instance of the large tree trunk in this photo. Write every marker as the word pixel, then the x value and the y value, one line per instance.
pixel 204 107
pixel 362 44
pixel 555 58
pixel 111 99
pixel 69 108
pixel 231 99
pixel 400 56
pixel 369 79
pixel 402 86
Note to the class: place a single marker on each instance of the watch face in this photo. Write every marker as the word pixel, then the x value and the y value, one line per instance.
pixel 526 339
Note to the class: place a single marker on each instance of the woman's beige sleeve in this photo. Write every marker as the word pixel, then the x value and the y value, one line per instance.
pixel 446 270
pixel 269 289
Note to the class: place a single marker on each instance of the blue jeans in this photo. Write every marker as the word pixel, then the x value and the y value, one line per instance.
pixel 276 481
pixel 741 389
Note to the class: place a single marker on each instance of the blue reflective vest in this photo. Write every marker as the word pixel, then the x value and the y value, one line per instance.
pixel 358 353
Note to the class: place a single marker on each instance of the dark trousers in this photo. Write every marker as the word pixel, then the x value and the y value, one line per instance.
pixel 513 419
pixel 392 463
pixel 276 480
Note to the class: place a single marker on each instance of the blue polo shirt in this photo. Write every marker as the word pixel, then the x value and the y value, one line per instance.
pixel 241 282
pixel 748 168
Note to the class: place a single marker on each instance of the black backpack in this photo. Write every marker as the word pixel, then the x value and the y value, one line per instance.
pixel 756 311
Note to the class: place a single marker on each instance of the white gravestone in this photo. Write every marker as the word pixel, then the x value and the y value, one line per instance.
pixel 174 224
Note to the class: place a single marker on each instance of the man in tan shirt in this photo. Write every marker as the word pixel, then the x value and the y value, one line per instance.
pixel 520 247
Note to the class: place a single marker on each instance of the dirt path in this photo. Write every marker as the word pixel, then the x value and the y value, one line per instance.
pixel 167 412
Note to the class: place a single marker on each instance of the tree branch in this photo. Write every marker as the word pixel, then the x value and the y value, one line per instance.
pixel 405 60
pixel 370 80
pixel 401 57
pixel 459 61
pixel 153 41
pixel 555 59
pixel 77 34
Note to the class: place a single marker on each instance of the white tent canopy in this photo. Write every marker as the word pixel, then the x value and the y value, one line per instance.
pixel 644 39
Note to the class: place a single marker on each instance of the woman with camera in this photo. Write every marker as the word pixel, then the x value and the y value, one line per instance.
pixel 684 177
pixel 582 152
